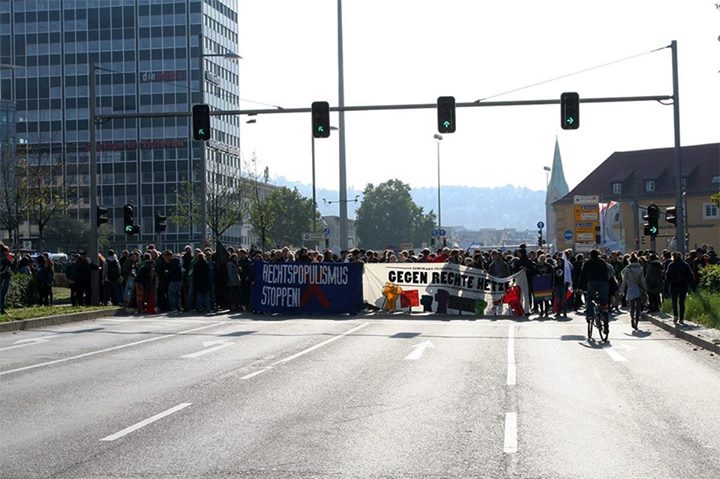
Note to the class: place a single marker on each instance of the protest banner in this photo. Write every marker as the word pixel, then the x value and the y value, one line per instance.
pixel 444 288
pixel 301 288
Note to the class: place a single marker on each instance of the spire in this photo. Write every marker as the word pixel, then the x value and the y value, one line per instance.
pixel 557 188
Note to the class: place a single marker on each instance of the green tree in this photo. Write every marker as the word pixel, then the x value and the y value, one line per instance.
pixel 293 216
pixel 388 215
pixel 716 199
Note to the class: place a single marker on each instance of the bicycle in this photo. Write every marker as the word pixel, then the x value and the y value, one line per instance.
pixel 600 320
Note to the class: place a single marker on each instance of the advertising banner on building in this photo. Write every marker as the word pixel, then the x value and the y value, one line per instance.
pixel 300 288
pixel 444 288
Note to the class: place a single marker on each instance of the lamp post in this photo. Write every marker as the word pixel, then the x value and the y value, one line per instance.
pixel 547 177
pixel 203 167
pixel 439 138
pixel 314 202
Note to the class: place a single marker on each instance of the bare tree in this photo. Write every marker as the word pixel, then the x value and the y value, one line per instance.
pixel 10 194
pixel 41 178
pixel 225 206
pixel 261 214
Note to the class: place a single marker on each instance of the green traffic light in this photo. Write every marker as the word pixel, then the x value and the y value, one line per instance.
pixel 570 120
pixel 653 230
pixel 446 124
pixel 321 129
pixel 129 229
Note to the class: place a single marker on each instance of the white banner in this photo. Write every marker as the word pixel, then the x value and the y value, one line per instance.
pixel 444 288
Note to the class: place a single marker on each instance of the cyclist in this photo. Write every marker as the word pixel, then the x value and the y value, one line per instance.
pixel 596 275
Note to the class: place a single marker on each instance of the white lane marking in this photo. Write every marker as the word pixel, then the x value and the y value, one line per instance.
pixel 256 373
pixel 220 344
pixel 512 370
pixel 614 354
pixel 29 342
pixel 305 351
pixel 313 348
pixel 144 423
pixel 510 445
pixel 419 349
pixel 114 348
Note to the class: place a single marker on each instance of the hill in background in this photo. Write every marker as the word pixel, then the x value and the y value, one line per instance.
pixel 471 207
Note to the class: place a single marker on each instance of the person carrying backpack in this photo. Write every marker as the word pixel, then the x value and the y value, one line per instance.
pixel 112 278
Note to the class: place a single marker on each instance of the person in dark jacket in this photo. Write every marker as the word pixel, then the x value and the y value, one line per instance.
pixel 45 277
pixel 201 283
pixel 6 268
pixel 82 280
pixel 596 275
pixel 144 285
pixel 680 278
pixel 654 282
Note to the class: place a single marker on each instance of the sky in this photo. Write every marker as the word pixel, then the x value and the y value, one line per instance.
pixel 412 51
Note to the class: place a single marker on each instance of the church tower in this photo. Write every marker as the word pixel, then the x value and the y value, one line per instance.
pixel 557 188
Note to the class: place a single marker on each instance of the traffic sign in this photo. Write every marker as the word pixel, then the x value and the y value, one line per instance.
pixel 435 233
pixel 568 235
pixel 540 225
pixel 326 231
pixel 442 232
pixel 313 236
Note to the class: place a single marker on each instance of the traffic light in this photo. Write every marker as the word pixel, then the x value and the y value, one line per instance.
pixel 670 215
pixel 446 114
pixel 540 238
pixel 201 122
pixel 160 223
pixel 651 227
pixel 320 119
pixel 570 111
pixel 102 215
pixel 128 220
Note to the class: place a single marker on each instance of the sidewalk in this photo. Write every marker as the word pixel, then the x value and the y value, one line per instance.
pixel 57 319
pixel 706 338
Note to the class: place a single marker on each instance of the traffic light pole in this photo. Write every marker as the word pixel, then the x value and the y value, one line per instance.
pixel 93 249
pixel 203 171
pixel 679 207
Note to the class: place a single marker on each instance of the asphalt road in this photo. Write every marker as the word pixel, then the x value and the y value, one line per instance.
pixel 228 396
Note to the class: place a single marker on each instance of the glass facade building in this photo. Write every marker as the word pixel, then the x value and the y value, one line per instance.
pixel 147 54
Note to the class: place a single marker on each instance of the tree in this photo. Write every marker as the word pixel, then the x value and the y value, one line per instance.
pixel 293 215
pixel 716 199
pixel 388 215
pixel 42 181
pixel 225 207
pixel 261 214
pixel 11 197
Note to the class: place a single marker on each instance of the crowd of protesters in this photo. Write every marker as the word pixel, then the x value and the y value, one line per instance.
pixel 201 280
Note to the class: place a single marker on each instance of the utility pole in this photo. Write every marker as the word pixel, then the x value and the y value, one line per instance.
pixel 679 207
pixel 93 249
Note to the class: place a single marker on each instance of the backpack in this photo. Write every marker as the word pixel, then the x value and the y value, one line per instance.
pixel 113 272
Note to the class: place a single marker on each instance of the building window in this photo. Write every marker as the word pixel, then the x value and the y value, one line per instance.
pixel 617 188
pixel 649 186
pixel 710 211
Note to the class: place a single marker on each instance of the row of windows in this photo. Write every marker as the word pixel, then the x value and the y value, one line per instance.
pixel 649 186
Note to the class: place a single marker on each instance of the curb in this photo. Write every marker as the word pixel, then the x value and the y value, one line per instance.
pixel 685 335
pixel 57 319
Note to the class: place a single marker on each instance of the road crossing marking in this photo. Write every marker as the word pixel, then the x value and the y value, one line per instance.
pixel 147 421
pixel 510 446
pixel 512 369
pixel 29 342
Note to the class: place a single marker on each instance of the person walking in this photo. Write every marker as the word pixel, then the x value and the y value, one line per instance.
pixel 634 287
pixel 6 267
pixel 680 278
pixel 654 281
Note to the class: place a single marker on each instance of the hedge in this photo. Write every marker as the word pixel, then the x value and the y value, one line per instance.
pixel 24 291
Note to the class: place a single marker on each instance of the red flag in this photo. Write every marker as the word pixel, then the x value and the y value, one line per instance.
pixel 409 298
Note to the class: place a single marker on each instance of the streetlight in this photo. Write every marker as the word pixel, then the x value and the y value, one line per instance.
pixel 203 167
pixel 439 138
pixel 547 177
pixel 314 214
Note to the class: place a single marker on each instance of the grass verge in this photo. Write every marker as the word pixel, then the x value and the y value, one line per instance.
pixel 42 311
pixel 701 307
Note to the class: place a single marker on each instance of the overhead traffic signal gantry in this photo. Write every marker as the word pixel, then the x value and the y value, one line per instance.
pixel 446 114
pixel 570 111
pixel 651 217
pixel 201 122
pixel 320 119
